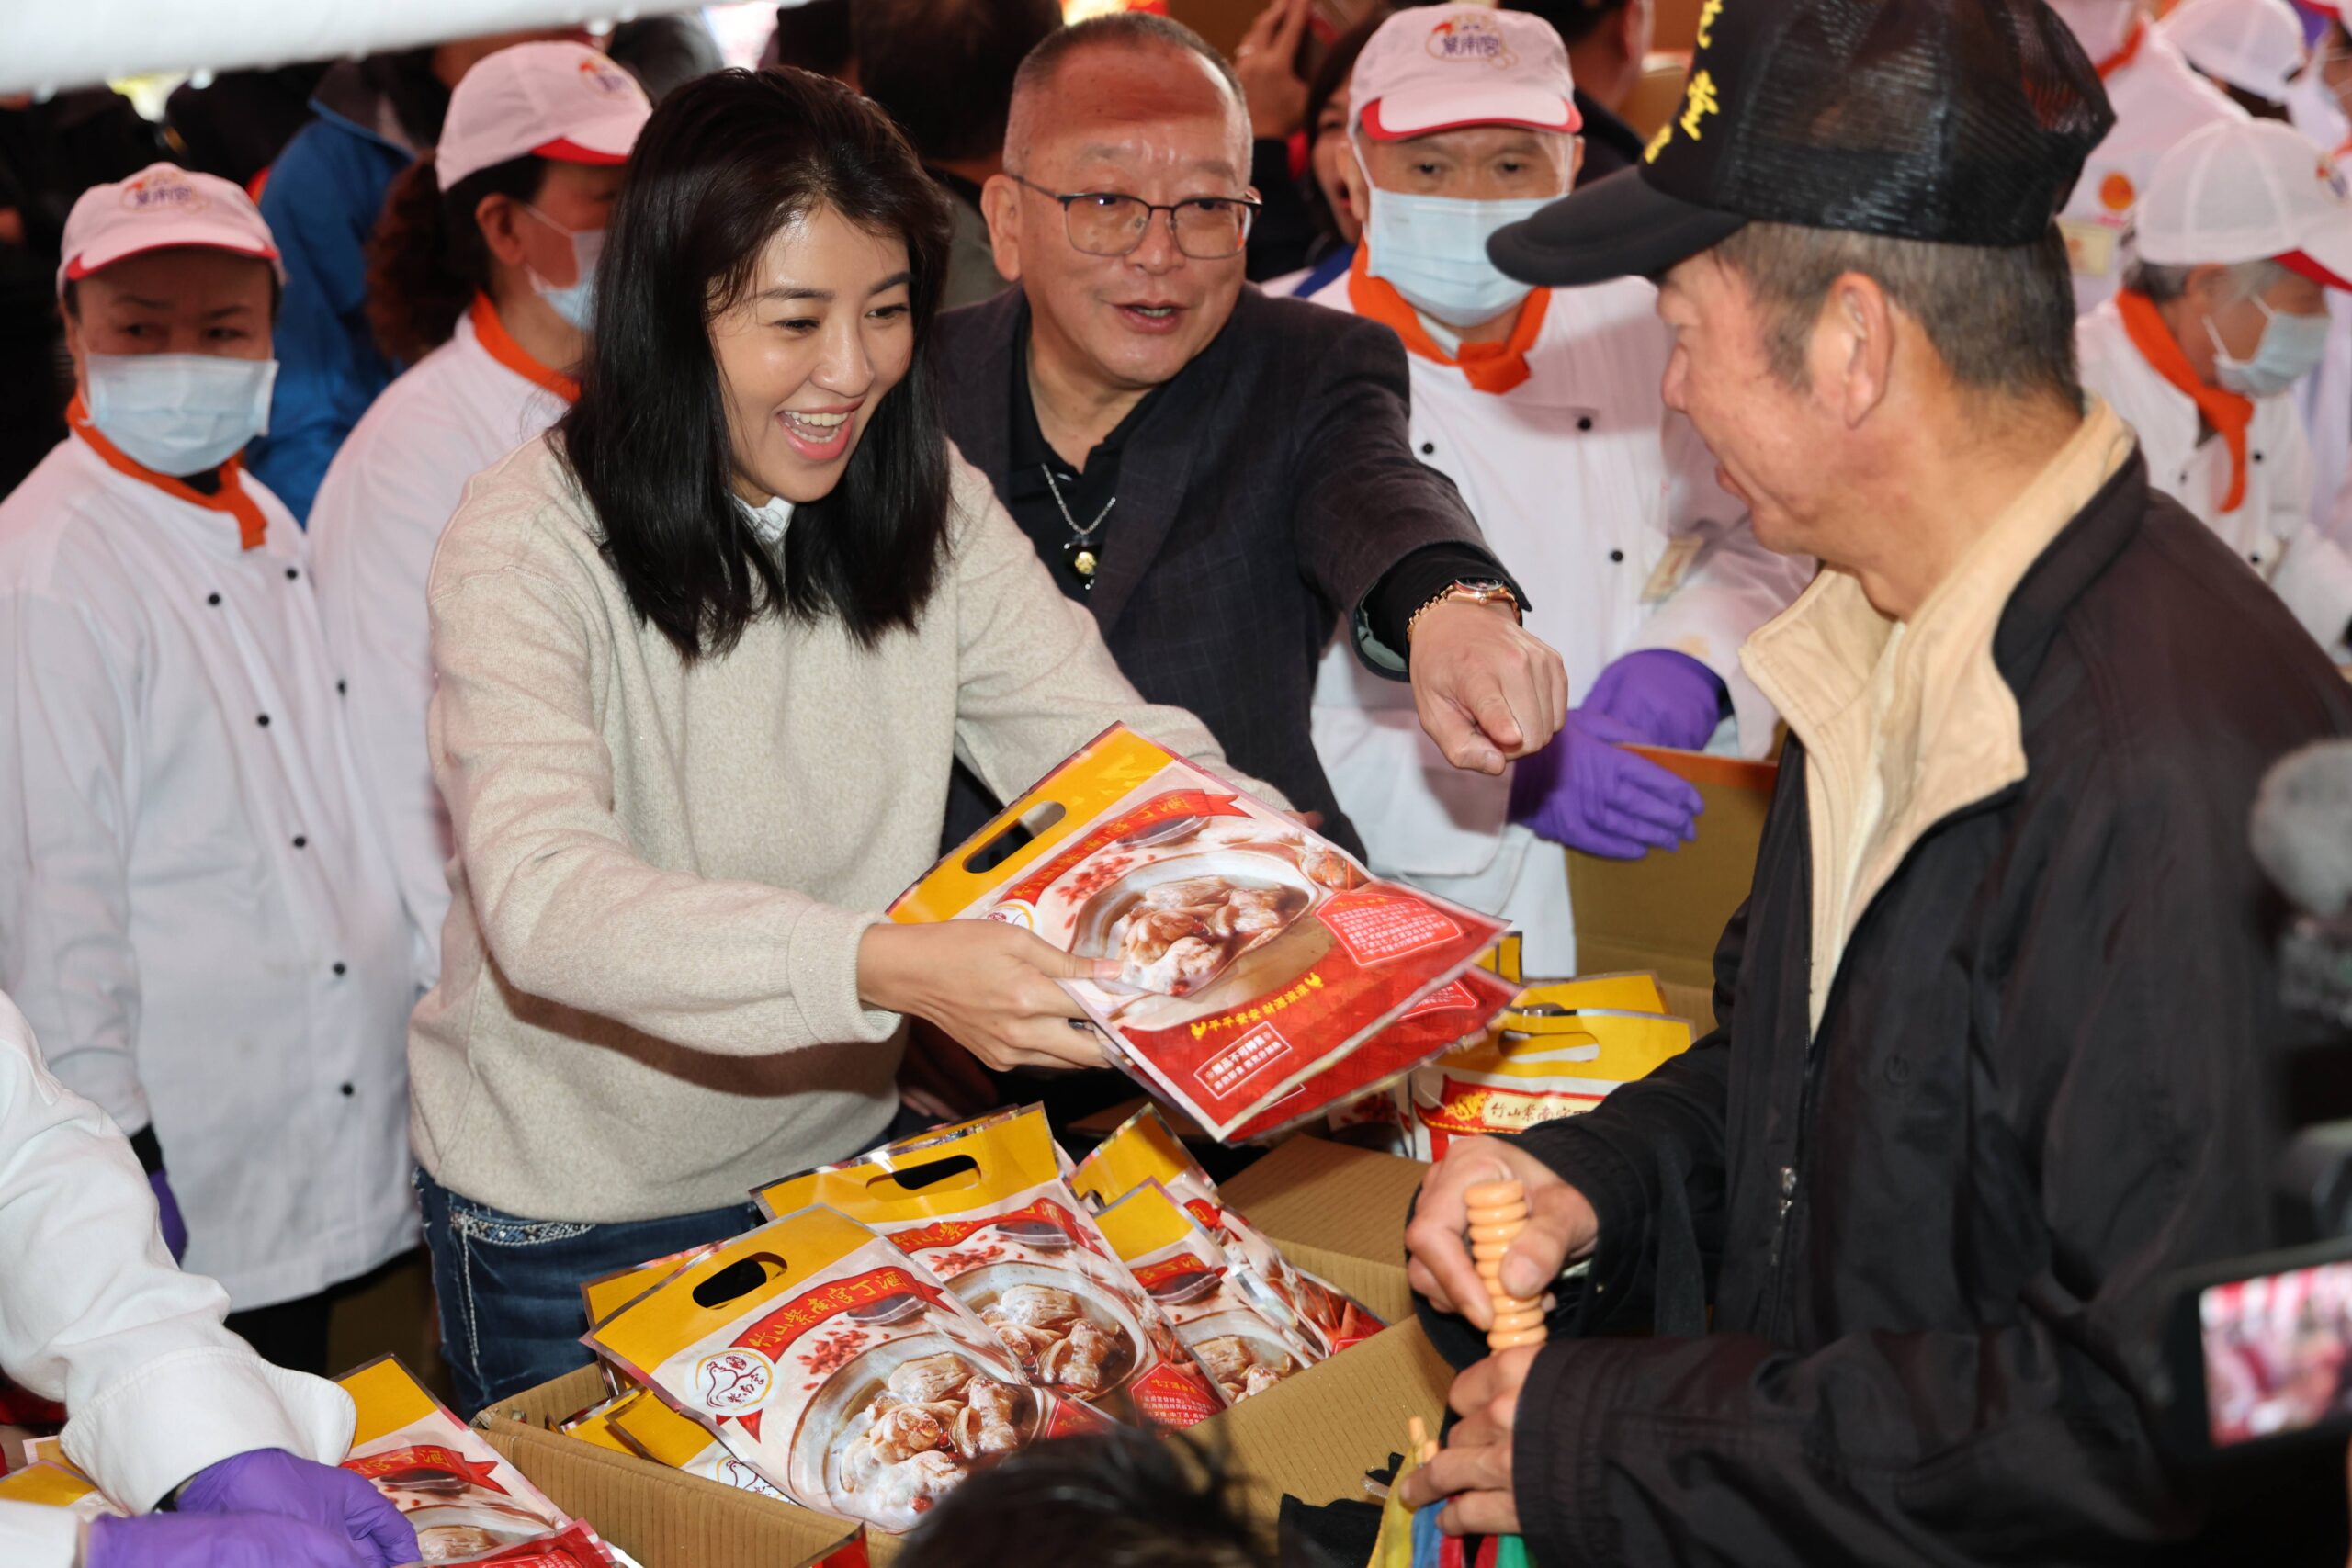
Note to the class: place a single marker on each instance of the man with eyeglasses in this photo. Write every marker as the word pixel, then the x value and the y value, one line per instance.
pixel 1217 476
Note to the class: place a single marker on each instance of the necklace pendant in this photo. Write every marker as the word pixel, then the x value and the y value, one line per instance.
pixel 1083 562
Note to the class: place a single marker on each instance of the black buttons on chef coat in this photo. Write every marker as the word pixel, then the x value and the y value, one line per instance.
pixel 262 720
pixel 1428 447
pixel 291 574
pixel 348 1091
pixel 340 966
pixel 212 598
pixel 2258 456
pixel 1584 422
pixel 1616 555
pixel 301 842
pixel 339 688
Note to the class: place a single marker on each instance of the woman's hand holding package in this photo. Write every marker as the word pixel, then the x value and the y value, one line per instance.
pixel 1473 1468
pixel 1561 1228
pixel 1587 792
pixel 991 987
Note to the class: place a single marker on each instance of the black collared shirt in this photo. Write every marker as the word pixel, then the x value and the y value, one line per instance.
pixel 1031 499
pixel 1386 610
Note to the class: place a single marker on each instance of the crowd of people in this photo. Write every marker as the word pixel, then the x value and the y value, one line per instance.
pixel 536 544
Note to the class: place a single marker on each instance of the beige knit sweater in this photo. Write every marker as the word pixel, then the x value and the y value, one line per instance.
pixel 649 979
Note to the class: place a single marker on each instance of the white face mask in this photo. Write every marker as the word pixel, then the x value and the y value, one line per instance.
pixel 179 413
pixel 576 302
pixel 1433 250
pixel 2290 348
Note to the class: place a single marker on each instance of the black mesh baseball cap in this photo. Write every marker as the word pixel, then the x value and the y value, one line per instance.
pixel 1965 122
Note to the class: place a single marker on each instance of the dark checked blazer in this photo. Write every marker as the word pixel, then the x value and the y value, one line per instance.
pixel 1263 495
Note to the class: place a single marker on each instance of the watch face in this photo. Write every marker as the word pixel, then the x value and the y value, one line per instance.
pixel 1488 589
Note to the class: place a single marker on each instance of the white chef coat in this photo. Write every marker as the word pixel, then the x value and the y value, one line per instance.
pixel 93 1313
pixel 2326 395
pixel 390 489
pixel 1603 504
pixel 193 911
pixel 2271 529
pixel 2158 99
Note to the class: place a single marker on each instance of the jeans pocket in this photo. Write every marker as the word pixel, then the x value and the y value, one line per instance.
pixel 483 1225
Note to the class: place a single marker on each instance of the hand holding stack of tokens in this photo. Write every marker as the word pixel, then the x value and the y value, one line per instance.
pixel 1497 1213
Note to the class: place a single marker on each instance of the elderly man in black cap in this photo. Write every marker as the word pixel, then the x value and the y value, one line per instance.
pixel 1990 1058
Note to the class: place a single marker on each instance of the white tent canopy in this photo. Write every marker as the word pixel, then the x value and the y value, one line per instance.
pixel 50 45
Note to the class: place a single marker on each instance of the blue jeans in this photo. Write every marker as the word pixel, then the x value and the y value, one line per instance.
pixel 509 1287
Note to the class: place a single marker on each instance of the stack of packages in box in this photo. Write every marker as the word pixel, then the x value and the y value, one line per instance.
pixel 904 1317
pixel 1561 1047
pixel 464 1500
pixel 1264 974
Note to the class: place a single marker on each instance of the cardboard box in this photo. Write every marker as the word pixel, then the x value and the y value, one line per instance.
pixel 1327 1198
pixel 1666 913
pixel 1314 1435
pixel 664 1518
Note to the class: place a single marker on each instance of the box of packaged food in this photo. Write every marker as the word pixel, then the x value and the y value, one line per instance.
pixel 1244 1341
pixel 465 1501
pixel 843 1371
pixel 663 1516
pixel 1144 1149
pixel 984 1206
pixel 1256 958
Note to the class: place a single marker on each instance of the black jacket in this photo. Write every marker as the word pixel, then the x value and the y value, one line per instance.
pixel 1267 490
pixel 1933 1238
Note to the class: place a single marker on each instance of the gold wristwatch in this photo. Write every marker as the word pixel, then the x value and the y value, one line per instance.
pixel 1488 591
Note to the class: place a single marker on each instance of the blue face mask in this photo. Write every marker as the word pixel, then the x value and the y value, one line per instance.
pixel 576 302
pixel 1433 250
pixel 2290 348
pixel 179 413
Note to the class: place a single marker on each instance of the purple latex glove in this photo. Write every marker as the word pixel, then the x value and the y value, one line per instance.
pixel 1665 698
pixel 271 1481
pixel 167 1214
pixel 217 1540
pixel 1585 792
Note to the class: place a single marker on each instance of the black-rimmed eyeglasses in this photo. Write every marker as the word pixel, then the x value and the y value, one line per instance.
pixel 1109 223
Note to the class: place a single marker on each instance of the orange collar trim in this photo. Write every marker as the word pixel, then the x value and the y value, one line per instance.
pixel 2124 56
pixel 495 341
pixel 2228 412
pixel 253 527
pixel 1493 367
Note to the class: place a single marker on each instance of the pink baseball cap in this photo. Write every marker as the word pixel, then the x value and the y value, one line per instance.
pixel 160 205
pixel 559 100
pixel 1442 67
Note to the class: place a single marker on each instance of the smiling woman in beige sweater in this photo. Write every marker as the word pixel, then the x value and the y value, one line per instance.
pixel 704 656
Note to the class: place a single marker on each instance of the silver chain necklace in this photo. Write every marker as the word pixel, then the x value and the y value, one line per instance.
pixel 1082 559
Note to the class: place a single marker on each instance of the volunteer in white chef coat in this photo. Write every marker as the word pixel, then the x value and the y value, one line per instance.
pixel 2157 100
pixel 2315 107
pixel 484 280
pixel 162 1402
pixel 1544 408
pixel 2243 229
pixel 194 912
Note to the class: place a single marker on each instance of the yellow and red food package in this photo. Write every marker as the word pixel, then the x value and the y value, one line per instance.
pixel 841 1371
pixel 1257 960
pixel 1144 1149
pixel 986 1208
pixel 1216 1306
pixel 466 1502
pixel 54 1484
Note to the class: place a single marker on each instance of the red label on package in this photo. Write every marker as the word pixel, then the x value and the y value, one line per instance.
pixel 1375 926
pixel 426 1455
pixel 1176 1268
pixel 1173 1399
pixel 947 1233
pixel 797 1316
pixel 1471 1110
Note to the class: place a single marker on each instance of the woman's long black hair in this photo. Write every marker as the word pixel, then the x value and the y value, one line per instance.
pixel 725 162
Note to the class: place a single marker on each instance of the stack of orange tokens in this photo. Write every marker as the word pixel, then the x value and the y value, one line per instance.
pixel 1497 1213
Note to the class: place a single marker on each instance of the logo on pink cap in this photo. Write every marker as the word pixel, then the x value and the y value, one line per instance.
pixel 1470 40
pixel 162 191
pixel 602 75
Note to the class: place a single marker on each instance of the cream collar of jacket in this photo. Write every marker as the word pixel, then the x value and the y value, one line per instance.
pixel 1951 734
